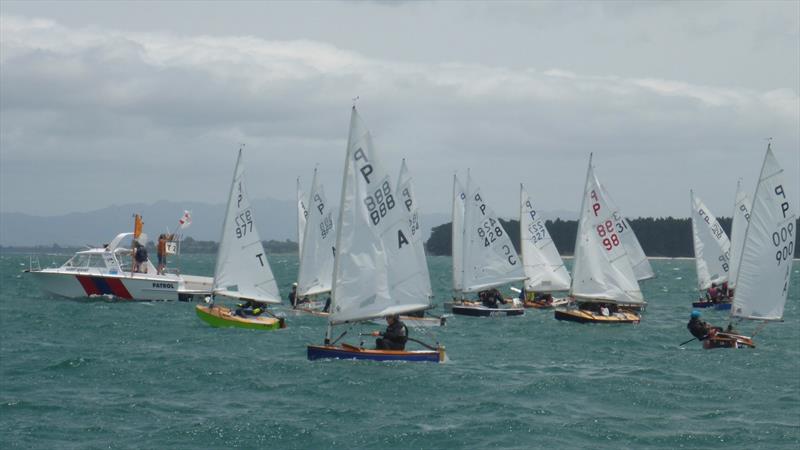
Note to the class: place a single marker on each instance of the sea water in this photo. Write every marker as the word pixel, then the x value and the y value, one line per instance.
pixel 101 374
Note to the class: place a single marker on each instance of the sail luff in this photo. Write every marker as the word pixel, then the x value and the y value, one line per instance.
pixel 740 217
pixel 302 215
pixel 219 262
pixel 578 248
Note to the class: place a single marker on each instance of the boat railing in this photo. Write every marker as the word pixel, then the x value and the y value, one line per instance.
pixel 33 264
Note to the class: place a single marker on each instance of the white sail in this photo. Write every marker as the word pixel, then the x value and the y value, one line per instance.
pixel 711 246
pixel 302 215
pixel 457 230
pixel 315 275
pixel 544 269
pixel 639 262
pixel 769 241
pixel 741 215
pixel 375 271
pixel 489 256
pixel 602 270
pixel 405 190
pixel 242 270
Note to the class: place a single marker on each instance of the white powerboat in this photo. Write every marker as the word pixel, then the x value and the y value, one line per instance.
pixel 106 272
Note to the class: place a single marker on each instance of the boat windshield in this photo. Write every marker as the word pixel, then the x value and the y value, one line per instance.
pixel 86 260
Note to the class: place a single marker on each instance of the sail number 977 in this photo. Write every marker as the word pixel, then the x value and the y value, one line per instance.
pixel 379 203
pixel 606 232
pixel 783 240
pixel 244 224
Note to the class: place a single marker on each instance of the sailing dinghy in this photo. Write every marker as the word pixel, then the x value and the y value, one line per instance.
pixel 376 270
pixel 604 283
pixel 544 269
pixel 483 255
pixel 242 271
pixel 762 281
pixel 711 250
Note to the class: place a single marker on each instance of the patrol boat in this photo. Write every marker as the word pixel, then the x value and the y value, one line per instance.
pixel 105 272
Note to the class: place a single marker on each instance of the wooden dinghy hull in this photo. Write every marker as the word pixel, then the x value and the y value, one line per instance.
pixel 728 340
pixel 585 316
pixel 220 317
pixel 539 305
pixel 351 352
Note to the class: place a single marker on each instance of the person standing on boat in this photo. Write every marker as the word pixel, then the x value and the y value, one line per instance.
pixel 139 258
pixel 395 336
pixel 700 328
pixel 162 251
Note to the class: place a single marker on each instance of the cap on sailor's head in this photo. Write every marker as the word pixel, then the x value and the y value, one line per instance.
pixel 695 314
pixel 294 284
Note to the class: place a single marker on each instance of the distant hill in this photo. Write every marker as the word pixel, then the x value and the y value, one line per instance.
pixel 276 219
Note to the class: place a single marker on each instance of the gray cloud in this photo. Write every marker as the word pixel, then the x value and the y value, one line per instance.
pixel 86 107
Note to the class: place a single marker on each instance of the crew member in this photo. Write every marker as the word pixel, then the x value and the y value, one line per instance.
pixel 395 336
pixel 293 296
pixel 700 328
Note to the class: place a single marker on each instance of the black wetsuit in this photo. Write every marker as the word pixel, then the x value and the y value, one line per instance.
pixel 698 328
pixel 394 338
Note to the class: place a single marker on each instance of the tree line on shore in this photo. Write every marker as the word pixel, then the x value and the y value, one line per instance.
pixel 662 236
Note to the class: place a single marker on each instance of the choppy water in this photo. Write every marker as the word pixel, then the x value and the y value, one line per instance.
pixel 94 374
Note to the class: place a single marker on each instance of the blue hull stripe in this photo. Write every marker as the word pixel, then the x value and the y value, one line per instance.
pixel 319 353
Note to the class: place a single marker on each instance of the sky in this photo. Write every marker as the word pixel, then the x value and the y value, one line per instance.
pixel 108 103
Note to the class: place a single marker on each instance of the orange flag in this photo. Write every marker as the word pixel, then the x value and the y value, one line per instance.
pixel 137 226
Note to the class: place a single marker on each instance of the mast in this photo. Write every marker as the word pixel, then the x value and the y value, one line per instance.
pixel 577 248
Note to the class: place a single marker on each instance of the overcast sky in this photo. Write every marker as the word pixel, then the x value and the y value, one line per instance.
pixel 111 102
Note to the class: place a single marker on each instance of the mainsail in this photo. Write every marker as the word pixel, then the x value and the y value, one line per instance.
pixel 405 190
pixel 766 262
pixel 711 245
pixel 544 269
pixel 242 270
pixel 602 270
pixel 489 257
pixel 457 230
pixel 316 264
pixel 741 215
pixel 375 271
pixel 302 215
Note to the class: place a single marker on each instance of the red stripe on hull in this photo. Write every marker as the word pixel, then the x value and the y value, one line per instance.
pixel 88 285
pixel 118 288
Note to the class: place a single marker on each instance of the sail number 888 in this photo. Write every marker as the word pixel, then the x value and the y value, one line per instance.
pixel 784 242
pixel 379 203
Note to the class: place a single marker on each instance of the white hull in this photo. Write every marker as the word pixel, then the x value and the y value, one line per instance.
pixel 123 287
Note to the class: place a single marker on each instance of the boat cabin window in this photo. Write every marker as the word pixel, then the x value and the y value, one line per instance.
pixel 86 260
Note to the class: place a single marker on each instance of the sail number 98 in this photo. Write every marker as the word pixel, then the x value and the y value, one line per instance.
pixel 606 232
pixel 379 203
pixel 784 243
pixel 244 224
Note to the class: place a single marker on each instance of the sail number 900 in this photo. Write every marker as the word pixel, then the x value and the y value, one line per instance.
pixel 379 203
pixel 784 242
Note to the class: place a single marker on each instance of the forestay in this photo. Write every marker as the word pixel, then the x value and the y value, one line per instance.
pixel 489 258
pixel 711 245
pixel 457 230
pixel 375 271
pixel 766 264
pixel 316 264
pixel 405 191
pixel 741 215
pixel 639 262
pixel 544 269
pixel 242 270
pixel 302 215
pixel 602 270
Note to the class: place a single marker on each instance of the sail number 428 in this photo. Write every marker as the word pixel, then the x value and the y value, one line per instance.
pixel 784 242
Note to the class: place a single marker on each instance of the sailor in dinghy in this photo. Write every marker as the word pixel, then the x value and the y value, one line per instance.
pixel 242 271
pixel 376 271
pixel 762 280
